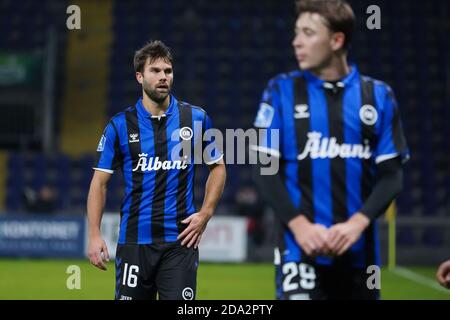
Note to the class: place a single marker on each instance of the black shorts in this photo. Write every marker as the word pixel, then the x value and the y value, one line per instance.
pixel 302 281
pixel 145 270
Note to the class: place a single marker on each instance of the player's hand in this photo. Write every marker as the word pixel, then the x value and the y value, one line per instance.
pixel 443 274
pixel 312 237
pixel 192 235
pixel 98 252
pixel 343 235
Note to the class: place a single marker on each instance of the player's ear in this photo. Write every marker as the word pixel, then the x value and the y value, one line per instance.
pixel 139 77
pixel 337 41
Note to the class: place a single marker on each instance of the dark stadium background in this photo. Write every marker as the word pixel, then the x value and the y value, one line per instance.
pixel 224 52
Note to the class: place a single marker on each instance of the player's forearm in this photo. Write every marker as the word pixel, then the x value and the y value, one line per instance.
pixel 387 188
pixel 95 206
pixel 214 188
pixel 275 193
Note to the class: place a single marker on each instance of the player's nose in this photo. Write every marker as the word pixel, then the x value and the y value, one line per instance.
pixel 297 41
pixel 162 76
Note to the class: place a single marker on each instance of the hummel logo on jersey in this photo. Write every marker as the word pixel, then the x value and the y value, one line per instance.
pixel 301 111
pixel 145 164
pixel 134 137
pixel 318 147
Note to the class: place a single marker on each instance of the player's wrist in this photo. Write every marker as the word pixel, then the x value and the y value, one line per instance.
pixel 95 233
pixel 299 221
pixel 360 220
pixel 208 212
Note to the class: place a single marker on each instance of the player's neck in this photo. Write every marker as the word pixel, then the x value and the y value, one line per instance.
pixel 155 108
pixel 335 70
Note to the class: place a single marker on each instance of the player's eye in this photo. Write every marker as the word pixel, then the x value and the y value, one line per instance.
pixel 308 32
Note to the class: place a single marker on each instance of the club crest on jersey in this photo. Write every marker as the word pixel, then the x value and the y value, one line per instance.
pixel 154 164
pixel 133 137
pixel 101 144
pixel 368 114
pixel 323 147
pixel 265 116
pixel 186 133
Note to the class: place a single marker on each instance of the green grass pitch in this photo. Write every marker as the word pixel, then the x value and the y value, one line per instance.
pixel 46 279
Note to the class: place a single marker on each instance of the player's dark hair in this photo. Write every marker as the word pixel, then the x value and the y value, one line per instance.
pixel 153 50
pixel 338 15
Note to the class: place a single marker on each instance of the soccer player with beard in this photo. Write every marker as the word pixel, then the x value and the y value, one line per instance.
pixel 152 143
pixel 341 151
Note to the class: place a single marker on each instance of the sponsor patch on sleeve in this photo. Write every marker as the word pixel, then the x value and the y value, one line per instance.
pixel 101 144
pixel 265 116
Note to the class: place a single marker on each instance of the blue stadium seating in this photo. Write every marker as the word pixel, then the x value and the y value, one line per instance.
pixel 225 52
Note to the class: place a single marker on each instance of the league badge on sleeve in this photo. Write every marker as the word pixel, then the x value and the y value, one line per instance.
pixel 265 116
pixel 101 144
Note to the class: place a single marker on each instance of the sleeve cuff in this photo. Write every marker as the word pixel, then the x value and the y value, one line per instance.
pixel 104 170
pixel 269 151
pixel 215 160
pixel 405 157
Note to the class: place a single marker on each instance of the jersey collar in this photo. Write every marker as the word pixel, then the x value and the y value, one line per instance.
pixel 144 113
pixel 346 81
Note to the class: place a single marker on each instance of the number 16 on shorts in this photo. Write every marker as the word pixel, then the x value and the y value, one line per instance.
pixel 130 275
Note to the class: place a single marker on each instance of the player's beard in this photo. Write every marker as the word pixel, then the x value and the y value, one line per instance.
pixel 154 94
